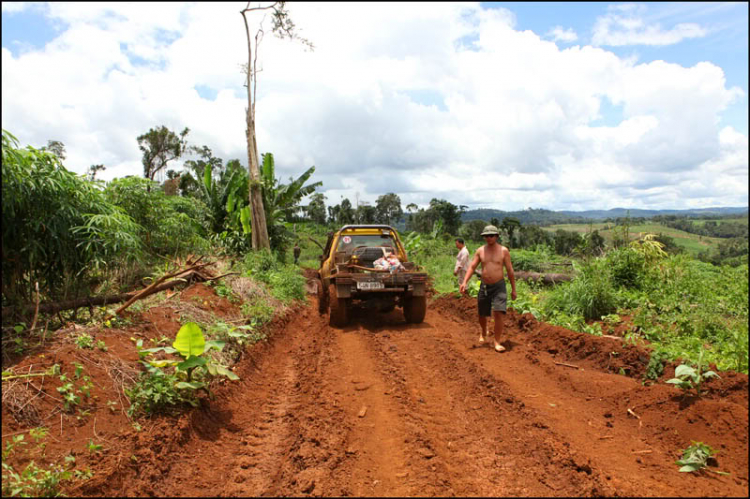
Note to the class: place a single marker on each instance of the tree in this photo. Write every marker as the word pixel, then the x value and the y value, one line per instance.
pixel 449 213
pixel 472 230
pixel 411 208
pixel 533 235
pixel 283 27
pixel 160 146
pixel 93 169
pixel 316 209
pixel 333 214
pixel 365 214
pixel 388 208
pixel 346 213
pixel 566 241
pixel 55 147
pixel 510 224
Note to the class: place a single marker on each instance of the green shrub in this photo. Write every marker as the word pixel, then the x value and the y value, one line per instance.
pixel 627 267
pixel 57 226
pixel 170 225
pixel 155 392
pixel 590 294
pixel 285 281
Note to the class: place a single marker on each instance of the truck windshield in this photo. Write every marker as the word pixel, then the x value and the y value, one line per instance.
pixel 349 242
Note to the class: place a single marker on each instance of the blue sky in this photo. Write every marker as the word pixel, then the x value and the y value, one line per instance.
pixel 725 45
pixel 506 105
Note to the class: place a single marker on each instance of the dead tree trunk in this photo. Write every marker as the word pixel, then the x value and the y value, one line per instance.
pixel 543 278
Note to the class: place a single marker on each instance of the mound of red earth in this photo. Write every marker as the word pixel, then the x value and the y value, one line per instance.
pixel 382 407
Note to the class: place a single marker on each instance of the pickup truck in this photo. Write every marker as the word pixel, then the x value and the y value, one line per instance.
pixel 351 269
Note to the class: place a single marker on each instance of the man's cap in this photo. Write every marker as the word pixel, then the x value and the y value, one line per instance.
pixel 490 230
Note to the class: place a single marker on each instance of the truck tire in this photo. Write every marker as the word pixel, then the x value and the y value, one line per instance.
pixel 322 294
pixel 415 309
pixel 339 308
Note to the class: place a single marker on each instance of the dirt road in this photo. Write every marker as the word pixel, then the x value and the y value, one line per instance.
pixel 393 409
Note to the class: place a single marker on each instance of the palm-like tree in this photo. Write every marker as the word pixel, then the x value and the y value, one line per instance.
pixel 281 201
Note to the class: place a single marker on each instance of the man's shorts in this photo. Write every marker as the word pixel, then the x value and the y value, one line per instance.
pixel 492 297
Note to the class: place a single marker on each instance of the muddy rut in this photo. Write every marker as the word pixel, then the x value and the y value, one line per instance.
pixel 387 408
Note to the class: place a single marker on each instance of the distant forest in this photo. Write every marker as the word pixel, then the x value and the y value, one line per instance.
pixel 678 219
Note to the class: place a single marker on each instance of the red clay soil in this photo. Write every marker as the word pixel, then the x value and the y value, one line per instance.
pixel 386 408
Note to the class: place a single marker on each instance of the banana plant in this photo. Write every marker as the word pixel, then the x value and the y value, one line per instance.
pixel 192 346
pixel 282 200
pixel 216 193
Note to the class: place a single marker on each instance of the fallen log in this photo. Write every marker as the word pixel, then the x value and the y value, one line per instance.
pixel 534 276
pixel 95 301
pixel 89 301
pixel 544 278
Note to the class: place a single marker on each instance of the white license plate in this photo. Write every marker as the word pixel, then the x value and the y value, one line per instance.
pixel 370 285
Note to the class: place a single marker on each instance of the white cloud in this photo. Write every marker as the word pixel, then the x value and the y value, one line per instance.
pixel 623 25
pixel 509 121
pixel 12 7
pixel 559 34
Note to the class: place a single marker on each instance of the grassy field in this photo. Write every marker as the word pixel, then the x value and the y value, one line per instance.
pixel 692 243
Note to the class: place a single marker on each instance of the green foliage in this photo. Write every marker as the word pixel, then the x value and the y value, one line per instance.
pixel 535 260
pixel 159 146
pixel 655 367
pixel 695 458
pixel 169 225
pixel 388 207
pixel 527 301
pixel 34 481
pixel 510 225
pixel 239 335
pixel 687 377
pixel 93 448
pixel 566 242
pixel 591 294
pixel 258 311
pixel 448 214
pixel 225 291
pixel 156 391
pixel 281 202
pixel 230 190
pixel 472 230
pixel 285 281
pixel 627 266
pixel 532 236
pixel 57 226
pixel 70 393
pixel 84 340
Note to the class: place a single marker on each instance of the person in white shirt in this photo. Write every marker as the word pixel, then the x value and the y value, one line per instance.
pixel 462 261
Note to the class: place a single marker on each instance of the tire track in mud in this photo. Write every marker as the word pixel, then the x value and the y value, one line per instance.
pixel 595 413
pixel 463 419
pixel 270 434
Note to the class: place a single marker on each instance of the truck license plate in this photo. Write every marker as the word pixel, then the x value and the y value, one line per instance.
pixel 370 285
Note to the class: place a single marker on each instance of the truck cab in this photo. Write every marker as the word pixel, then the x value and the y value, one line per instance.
pixel 369 264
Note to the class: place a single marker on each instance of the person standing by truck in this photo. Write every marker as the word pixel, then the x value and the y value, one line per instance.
pixel 462 261
pixel 493 296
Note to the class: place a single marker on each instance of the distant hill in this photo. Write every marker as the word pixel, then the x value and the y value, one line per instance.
pixel 549 217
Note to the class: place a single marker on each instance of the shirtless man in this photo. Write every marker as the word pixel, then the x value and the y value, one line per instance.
pixel 492 292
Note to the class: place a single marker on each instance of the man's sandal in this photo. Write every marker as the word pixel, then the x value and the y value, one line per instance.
pixel 499 348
